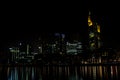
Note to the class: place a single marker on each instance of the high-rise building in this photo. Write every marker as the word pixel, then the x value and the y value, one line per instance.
pixel 94 33
pixel 60 43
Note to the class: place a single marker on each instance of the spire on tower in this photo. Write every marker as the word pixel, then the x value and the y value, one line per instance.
pixel 89 13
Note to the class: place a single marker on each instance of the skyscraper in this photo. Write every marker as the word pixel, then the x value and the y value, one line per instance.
pixel 94 33
pixel 60 43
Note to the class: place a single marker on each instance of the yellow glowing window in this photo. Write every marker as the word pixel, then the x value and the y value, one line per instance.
pixel 89 22
pixel 92 44
pixel 91 35
pixel 98 28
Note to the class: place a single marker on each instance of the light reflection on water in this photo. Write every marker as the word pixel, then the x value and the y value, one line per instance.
pixel 60 73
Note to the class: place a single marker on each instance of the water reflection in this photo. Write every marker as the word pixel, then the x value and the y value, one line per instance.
pixel 60 73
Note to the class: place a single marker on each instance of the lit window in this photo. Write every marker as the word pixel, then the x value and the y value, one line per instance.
pixel 89 22
pixel 98 28
pixel 91 35
pixel 92 44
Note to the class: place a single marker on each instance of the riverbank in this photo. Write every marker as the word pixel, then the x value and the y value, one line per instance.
pixel 90 64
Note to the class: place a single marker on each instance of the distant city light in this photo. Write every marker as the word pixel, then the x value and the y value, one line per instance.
pixel 63 35
pixel 98 28
pixel 39 47
pixel 10 48
pixel 57 34
pixel 20 44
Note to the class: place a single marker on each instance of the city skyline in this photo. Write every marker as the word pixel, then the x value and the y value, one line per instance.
pixel 60 40
pixel 26 23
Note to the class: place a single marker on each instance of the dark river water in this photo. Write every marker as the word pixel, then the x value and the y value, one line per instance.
pixel 60 73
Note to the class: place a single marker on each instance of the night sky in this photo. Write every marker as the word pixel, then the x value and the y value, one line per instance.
pixel 23 22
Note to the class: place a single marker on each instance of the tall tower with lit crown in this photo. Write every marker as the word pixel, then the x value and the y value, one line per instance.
pixel 94 33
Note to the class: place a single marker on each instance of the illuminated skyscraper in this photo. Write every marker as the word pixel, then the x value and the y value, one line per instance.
pixel 94 34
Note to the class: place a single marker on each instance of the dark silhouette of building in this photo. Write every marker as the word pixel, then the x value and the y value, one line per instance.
pixel 94 33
